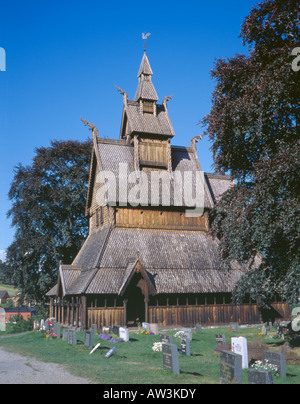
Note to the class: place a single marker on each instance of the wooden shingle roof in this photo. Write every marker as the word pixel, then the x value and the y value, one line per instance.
pixel 173 261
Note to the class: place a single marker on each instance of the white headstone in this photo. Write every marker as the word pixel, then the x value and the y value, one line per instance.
pixel 124 333
pixel 146 326
pixel 239 346
pixel 2 320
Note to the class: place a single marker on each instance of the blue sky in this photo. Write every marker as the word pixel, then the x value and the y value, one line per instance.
pixel 64 58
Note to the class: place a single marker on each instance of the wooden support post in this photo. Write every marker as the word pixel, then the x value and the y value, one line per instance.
pixel 84 319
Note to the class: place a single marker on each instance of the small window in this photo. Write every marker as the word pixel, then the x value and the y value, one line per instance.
pixel 148 107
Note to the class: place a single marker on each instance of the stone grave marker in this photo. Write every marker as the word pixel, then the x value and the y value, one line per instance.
pixel 154 328
pixel 110 352
pixel 280 332
pixel 220 339
pixel 57 330
pixel 278 359
pixel 230 368
pixel 198 328
pixel 239 346
pixel 115 329
pixel 72 337
pixel 264 330
pixel 256 376
pixel 89 339
pixel 188 333
pixel 94 328
pixel 2 319
pixel 166 339
pixel 234 326
pixel 65 334
pixel 124 333
pixel 170 358
pixel 146 326
pixel 185 345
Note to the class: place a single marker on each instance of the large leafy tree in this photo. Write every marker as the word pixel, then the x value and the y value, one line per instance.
pixel 48 205
pixel 254 127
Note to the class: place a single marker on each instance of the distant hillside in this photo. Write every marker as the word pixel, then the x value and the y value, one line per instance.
pixel 11 290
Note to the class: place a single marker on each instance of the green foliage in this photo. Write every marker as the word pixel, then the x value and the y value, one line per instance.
pixel 48 204
pixel 17 324
pixel 254 128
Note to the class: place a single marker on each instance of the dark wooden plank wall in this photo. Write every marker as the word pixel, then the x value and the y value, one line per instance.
pixel 104 317
pixel 71 314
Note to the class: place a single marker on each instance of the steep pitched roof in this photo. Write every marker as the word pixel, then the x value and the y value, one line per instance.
pixel 112 153
pixel 156 124
pixel 145 88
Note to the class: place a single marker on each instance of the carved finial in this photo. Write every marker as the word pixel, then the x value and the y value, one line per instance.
pixel 92 127
pixel 166 99
pixel 195 140
pixel 125 96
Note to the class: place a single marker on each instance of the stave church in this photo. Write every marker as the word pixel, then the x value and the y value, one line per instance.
pixel 149 256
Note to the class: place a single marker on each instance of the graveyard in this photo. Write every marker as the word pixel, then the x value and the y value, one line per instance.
pixel 171 356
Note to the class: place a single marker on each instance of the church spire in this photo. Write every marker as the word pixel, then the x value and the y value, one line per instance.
pixel 145 90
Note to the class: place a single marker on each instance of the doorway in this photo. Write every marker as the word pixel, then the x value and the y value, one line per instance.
pixel 135 302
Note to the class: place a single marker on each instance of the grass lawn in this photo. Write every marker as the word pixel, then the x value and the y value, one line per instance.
pixel 134 362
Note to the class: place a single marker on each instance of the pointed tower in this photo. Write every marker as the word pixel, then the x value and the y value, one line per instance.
pixel 146 124
pixel 145 94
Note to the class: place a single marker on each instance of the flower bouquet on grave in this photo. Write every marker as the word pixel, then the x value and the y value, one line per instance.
pixel 157 347
pixel 265 365
pixel 50 334
pixel 110 337
pixel 179 335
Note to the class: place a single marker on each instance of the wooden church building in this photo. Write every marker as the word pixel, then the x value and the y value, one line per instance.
pixel 147 257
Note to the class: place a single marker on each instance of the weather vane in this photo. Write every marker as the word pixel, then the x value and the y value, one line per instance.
pixel 145 36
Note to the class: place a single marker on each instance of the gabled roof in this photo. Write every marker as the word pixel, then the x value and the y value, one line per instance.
pixel 3 293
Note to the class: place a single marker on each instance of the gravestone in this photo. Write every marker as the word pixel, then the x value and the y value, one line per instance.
pixel 220 339
pixel 72 337
pixel 57 330
pixel 239 346
pixel 65 334
pixel 198 329
pixel 154 328
pixel 2 319
pixel 280 332
pixel 166 339
pixel 256 376
pixel 115 330
pixel 234 326
pixel 146 326
pixel 110 352
pixel 264 330
pixel 277 359
pixel 170 358
pixel 188 333
pixel 124 333
pixel 230 368
pixel 185 345
pixel 89 339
